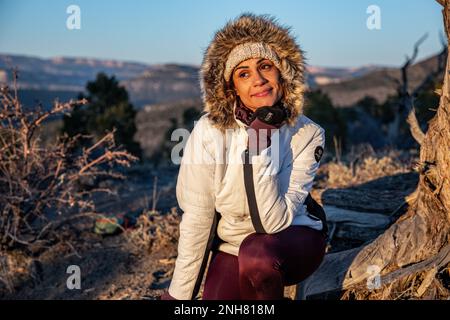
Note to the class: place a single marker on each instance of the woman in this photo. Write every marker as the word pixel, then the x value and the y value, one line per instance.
pixel 248 166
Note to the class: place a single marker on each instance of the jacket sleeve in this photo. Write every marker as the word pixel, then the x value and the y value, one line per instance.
pixel 276 207
pixel 195 196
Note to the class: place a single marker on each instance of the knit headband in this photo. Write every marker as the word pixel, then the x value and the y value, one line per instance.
pixel 246 51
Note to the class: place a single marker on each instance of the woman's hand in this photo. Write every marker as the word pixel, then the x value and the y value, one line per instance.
pixel 268 118
pixel 273 116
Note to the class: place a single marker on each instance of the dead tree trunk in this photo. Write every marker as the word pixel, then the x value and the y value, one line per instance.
pixel 416 247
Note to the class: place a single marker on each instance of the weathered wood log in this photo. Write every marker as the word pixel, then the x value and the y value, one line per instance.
pixel 329 281
pixel 383 195
pixel 362 226
pixel 349 224
pixel 356 218
pixel 417 236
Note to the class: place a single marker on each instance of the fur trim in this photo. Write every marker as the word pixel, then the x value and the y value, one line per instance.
pixel 219 98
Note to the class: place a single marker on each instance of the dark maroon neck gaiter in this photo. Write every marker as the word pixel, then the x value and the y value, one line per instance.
pixel 243 113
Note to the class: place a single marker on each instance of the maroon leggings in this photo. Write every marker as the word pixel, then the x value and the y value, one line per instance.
pixel 265 264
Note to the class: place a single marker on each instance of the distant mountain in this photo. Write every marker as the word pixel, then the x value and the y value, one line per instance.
pixel 46 79
pixel 319 76
pixel 379 83
pixel 164 84
pixel 64 74
pixel 63 78
pixel 162 93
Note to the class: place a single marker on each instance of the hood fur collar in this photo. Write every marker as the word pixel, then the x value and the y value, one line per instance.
pixel 218 98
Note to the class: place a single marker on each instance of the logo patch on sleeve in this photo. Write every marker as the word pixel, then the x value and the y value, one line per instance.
pixel 318 153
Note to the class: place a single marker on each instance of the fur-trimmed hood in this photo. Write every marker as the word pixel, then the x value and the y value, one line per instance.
pixel 219 98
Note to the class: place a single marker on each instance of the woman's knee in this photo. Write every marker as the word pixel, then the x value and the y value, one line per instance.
pixel 254 246
pixel 257 253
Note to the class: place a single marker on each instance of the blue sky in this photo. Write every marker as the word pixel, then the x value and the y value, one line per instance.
pixel 332 33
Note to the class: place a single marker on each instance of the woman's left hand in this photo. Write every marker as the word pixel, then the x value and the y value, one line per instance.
pixel 272 116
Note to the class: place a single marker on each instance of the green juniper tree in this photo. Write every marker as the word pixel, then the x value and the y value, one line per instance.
pixel 108 108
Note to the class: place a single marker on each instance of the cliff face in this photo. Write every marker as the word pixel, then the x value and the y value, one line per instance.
pixel 47 79
pixel 64 78
pixel 378 84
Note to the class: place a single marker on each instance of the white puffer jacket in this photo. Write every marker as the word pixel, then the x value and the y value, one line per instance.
pixel 207 183
pixel 211 175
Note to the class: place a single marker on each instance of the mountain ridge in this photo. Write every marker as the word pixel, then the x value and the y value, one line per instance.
pixel 64 77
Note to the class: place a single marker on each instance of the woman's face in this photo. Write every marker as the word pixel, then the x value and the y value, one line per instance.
pixel 257 83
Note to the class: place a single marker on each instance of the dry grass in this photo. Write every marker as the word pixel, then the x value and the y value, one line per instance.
pixel 41 187
pixel 366 165
pixel 418 286
pixel 45 189
pixel 155 230
pixel 15 267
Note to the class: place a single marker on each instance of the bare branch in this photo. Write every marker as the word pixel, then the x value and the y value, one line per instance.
pixel 414 126
pixel 410 61
pixel 37 182
pixel 441 2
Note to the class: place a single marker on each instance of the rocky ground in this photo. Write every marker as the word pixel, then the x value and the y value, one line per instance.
pixel 134 264
pixel 138 262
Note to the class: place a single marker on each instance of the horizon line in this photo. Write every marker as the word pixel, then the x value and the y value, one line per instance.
pixel 104 59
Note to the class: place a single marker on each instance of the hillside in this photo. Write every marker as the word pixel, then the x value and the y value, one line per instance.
pixel 63 78
pixel 379 83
